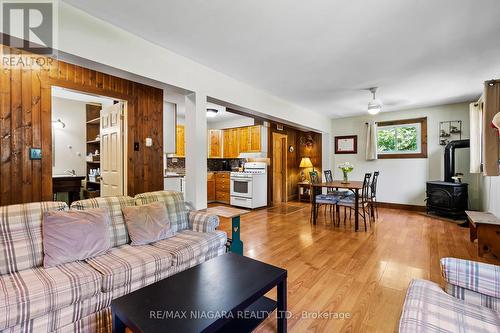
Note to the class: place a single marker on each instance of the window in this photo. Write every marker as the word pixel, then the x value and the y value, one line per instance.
pixel 402 138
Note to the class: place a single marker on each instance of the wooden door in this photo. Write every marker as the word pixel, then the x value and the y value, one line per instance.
pixel 279 168
pixel 215 143
pixel 111 145
pixel 179 145
pixel 244 139
pixel 255 146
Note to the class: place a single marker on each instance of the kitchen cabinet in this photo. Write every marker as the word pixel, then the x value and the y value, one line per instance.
pixel 249 139
pixel 179 144
pixel 222 187
pixel 214 143
pixel 254 139
pixel 231 143
pixel 244 139
pixel 210 186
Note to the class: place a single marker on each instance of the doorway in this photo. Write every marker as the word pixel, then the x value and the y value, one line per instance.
pixel 88 145
pixel 280 194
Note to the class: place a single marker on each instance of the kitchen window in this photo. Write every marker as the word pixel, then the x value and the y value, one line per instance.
pixel 402 138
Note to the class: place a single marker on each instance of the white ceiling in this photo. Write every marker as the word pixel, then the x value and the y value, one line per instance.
pixel 321 53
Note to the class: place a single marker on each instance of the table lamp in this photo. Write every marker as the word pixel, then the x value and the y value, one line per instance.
pixel 305 162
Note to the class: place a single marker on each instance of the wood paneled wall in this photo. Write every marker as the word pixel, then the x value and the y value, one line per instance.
pixel 25 121
pixel 293 158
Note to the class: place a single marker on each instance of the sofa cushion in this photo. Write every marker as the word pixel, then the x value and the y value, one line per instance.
pixel 21 235
pixel 36 291
pixel 427 308
pixel 147 223
pixel 74 235
pixel 117 229
pixel 127 264
pixel 188 245
pixel 174 201
pixel 55 320
pixel 97 322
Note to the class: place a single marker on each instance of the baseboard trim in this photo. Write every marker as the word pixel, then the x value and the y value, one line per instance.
pixel 413 208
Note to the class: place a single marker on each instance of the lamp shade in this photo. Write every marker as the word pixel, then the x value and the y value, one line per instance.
pixel 305 163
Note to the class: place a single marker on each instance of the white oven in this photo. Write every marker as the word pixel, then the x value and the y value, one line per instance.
pixel 249 188
pixel 241 186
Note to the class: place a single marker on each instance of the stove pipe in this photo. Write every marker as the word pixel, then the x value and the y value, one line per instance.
pixel 449 157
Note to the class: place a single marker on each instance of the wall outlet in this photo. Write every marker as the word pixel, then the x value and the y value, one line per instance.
pixel 149 142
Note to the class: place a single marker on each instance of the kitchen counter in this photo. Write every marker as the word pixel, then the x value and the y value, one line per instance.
pixel 178 175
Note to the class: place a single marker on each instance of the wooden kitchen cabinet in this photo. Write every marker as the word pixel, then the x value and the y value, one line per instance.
pixel 255 139
pixel 244 139
pixel 210 186
pixel 222 187
pixel 214 143
pixel 179 144
pixel 231 143
pixel 249 139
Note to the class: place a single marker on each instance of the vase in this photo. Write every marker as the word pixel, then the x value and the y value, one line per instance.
pixel 346 177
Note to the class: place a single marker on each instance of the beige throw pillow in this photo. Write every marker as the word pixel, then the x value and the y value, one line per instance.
pixel 74 235
pixel 148 223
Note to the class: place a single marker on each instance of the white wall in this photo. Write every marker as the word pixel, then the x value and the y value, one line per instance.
pixel 403 180
pixel 490 195
pixel 72 113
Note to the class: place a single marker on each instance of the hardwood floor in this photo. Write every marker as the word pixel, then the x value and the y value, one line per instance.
pixel 363 275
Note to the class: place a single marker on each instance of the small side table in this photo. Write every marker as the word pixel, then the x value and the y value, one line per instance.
pixel 304 190
pixel 233 214
pixel 486 228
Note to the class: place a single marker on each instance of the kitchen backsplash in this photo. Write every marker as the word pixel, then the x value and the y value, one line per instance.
pixel 212 164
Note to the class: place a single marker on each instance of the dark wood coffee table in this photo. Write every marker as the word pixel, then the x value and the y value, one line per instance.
pixel 224 294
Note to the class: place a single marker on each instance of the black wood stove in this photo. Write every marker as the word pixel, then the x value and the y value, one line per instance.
pixel 446 197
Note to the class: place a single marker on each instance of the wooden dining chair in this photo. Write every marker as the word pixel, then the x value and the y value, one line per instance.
pixel 363 203
pixel 329 179
pixel 373 195
pixel 327 200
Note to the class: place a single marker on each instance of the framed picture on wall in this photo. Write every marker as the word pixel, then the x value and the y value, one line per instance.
pixel 347 144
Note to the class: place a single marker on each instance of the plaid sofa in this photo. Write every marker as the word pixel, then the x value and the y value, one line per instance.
pixel 469 302
pixel 76 297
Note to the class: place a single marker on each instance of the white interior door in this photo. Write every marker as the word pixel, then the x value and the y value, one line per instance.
pixel 112 150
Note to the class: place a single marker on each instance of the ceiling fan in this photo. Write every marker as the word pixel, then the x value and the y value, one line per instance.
pixel 374 105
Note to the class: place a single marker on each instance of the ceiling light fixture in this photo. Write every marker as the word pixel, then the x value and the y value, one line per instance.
pixel 375 105
pixel 212 113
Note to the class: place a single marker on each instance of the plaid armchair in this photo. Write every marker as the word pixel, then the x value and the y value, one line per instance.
pixel 473 282
pixel 469 303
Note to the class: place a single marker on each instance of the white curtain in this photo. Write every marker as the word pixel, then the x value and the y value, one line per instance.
pixel 475 121
pixel 371 141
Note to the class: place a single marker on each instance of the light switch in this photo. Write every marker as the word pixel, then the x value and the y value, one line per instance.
pixel 149 142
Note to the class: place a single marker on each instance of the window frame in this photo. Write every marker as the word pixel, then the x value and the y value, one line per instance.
pixel 423 138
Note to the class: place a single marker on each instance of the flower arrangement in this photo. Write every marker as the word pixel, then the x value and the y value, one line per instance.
pixel 346 167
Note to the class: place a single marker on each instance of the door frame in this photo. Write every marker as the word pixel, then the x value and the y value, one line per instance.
pixel 125 137
pixel 284 183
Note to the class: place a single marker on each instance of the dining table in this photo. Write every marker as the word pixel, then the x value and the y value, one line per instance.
pixel 354 185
